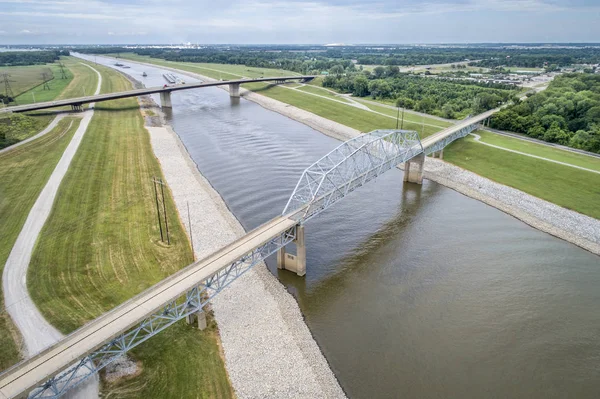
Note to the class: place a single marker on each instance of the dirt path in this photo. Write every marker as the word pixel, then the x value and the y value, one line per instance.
pixel 478 140
pixel 37 333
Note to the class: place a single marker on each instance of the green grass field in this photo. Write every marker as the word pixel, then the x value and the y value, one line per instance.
pixel 23 78
pixel 40 94
pixel 356 118
pixel 565 186
pixel 323 92
pixel 215 71
pixel 410 117
pixel 25 171
pixel 102 244
pixel 540 150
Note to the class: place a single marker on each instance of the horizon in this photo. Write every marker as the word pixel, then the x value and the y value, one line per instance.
pixel 53 22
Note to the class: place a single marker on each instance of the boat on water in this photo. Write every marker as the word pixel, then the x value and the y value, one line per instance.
pixel 169 77
pixel 144 74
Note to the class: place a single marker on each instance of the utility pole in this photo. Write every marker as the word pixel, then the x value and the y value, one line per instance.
pixel 397 118
pixel 45 79
pixel 158 210
pixel 162 190
pixel 402 126
pixel 8 93
pixel 62 71
pixel 190 226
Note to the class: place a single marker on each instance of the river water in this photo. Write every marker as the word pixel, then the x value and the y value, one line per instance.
pixel 411 291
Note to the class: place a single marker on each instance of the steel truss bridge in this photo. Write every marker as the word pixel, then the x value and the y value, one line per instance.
pixel 69 362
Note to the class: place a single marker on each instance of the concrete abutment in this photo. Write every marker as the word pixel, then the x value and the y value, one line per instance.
pixel 413 169
pixel 234 90
pixel 294 263
pixel 165 99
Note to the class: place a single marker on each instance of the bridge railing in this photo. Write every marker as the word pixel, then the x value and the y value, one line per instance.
pixel 350 165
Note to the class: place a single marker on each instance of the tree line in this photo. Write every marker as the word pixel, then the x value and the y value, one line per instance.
pixel 20 58
pixel 448 99
pixel 318 58
pixel 567 113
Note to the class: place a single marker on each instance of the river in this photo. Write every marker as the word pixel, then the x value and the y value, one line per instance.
pixel 411 291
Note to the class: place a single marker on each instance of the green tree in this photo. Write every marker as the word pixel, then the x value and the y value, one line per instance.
pixel 379 72
pixel 361 86
pixel 337 70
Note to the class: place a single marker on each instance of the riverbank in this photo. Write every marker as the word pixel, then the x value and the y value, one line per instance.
pixel 269 351
pixel 571 226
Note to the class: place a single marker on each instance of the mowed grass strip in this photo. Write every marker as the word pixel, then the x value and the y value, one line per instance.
pixel 25 171
pixel 348 115
pixel 215 71
pixel 540 150
pixel 565 186
pixel 101 246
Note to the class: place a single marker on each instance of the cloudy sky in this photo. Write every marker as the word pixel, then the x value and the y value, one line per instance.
pixel 297 21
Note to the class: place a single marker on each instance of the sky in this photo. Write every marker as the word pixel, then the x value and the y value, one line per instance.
pixel 297 21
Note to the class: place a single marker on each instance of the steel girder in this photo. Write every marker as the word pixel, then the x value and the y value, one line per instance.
pixel 440 144
pixel 350 165
pixel 170 313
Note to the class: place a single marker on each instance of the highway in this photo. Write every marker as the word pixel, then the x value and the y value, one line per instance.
pixel 140 92
pixel 23 377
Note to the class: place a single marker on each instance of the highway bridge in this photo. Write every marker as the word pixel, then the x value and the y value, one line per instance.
pixel 52 372
pixel 165 93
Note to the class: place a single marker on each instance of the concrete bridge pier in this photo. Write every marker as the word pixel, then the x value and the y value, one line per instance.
pixel 413 169
pixel 294 263
pixel 165 99
pixel 199 316
pixel 234 90
pixel 439 154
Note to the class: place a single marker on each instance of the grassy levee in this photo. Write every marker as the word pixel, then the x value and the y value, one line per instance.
pixel 323 92
pixel 25 171
pixel 565 186
pixel 540 150
pixel 101 246
pixel 215 71
pixel 348 115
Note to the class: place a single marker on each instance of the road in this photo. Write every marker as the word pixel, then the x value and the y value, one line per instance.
pixel 37 333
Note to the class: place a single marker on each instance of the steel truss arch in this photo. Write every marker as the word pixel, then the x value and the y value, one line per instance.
pixel 349 166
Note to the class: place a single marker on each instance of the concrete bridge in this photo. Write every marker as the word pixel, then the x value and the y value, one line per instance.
pixel 165 93
pixel 68 363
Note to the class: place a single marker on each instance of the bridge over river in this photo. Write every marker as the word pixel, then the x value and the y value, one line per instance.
pixel 354 163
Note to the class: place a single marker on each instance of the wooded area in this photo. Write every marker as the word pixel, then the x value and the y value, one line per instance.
pixel 448 99
pixel 567 113
pixel 20 58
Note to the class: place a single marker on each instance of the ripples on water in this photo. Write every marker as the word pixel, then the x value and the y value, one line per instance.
pixel 416 292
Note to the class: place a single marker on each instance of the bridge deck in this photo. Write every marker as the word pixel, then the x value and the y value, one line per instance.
pixel 141 92
pixel 434 138
pixel 30 373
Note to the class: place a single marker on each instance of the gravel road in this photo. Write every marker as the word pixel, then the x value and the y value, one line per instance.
pixel 37 333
